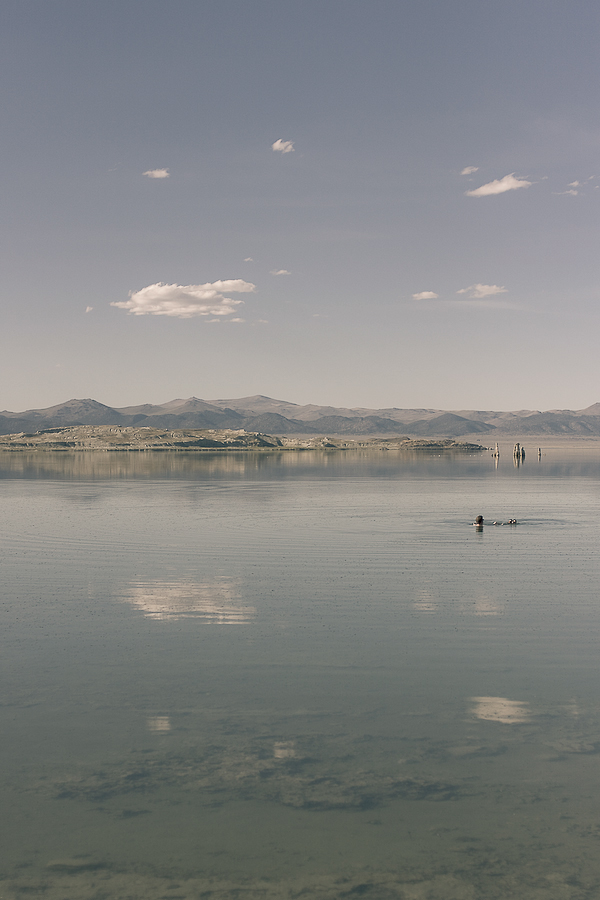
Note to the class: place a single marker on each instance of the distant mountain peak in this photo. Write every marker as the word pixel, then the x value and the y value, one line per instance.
pixel 73 406
pixel 593 410
pixel 259 412
pixel 257 398
pixel 189 405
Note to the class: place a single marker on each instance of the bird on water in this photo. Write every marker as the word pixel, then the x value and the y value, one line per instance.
pixel 479 522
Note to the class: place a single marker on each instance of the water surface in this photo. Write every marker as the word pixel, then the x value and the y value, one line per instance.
pixel 283 675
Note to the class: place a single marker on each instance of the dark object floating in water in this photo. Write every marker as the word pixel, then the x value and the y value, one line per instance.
pixel 479 522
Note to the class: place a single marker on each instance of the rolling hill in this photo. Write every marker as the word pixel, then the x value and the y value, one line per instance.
pixel 265 414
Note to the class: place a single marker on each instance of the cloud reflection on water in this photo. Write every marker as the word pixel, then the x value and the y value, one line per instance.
pixel 500 709
pixel 284 749
pixel 483 605
pixel 159 723
pixel 216 602
pixel 427 603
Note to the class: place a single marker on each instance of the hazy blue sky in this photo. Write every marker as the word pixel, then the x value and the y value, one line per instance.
pixel 315 239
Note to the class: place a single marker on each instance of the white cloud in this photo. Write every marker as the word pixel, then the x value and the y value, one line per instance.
pixel 559 193
pixel 499 186
pixel 573 184
pixel 283 146
pixel 479 291
pixel 248 259
pixel 425 295
pixel 157 173
pixel 468 170
pixel 186 301
pixel 280 272
pixel 88 309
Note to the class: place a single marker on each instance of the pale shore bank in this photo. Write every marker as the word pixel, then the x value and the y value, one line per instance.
pixel 116 438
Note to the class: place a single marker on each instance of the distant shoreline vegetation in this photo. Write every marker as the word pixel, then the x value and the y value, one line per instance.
pixel 103 438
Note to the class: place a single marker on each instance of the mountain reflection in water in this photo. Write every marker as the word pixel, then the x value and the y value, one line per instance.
pixel 573 459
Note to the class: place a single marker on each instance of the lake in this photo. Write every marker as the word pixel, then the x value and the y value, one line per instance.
pixel 283 675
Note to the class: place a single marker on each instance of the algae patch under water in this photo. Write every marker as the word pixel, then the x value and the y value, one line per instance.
pixel 312 777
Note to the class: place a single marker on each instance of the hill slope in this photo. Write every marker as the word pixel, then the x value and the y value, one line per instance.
pixel 259 413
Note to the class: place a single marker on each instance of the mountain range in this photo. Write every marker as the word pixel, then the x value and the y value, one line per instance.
pixel 270 416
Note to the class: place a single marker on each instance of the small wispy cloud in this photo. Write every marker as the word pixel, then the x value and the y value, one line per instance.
pixel 425 295
pixel 476 296
pixel 157 173
pixel 187 301
pixel 479 291
pixel 280 272
pixel 500 186
pixel 468 170
pixel 88 309
pixel 248 259
pixel 575 188
pixel 283 146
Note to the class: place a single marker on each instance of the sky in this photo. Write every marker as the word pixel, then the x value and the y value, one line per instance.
pixel 390 203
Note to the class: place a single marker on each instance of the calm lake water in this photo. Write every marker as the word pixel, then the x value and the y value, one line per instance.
pixel 299 675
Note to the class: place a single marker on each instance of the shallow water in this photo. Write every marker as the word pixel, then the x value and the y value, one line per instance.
pixel 283 675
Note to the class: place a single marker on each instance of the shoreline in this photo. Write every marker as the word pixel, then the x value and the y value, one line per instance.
pixel 129 439
pixel 132 439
